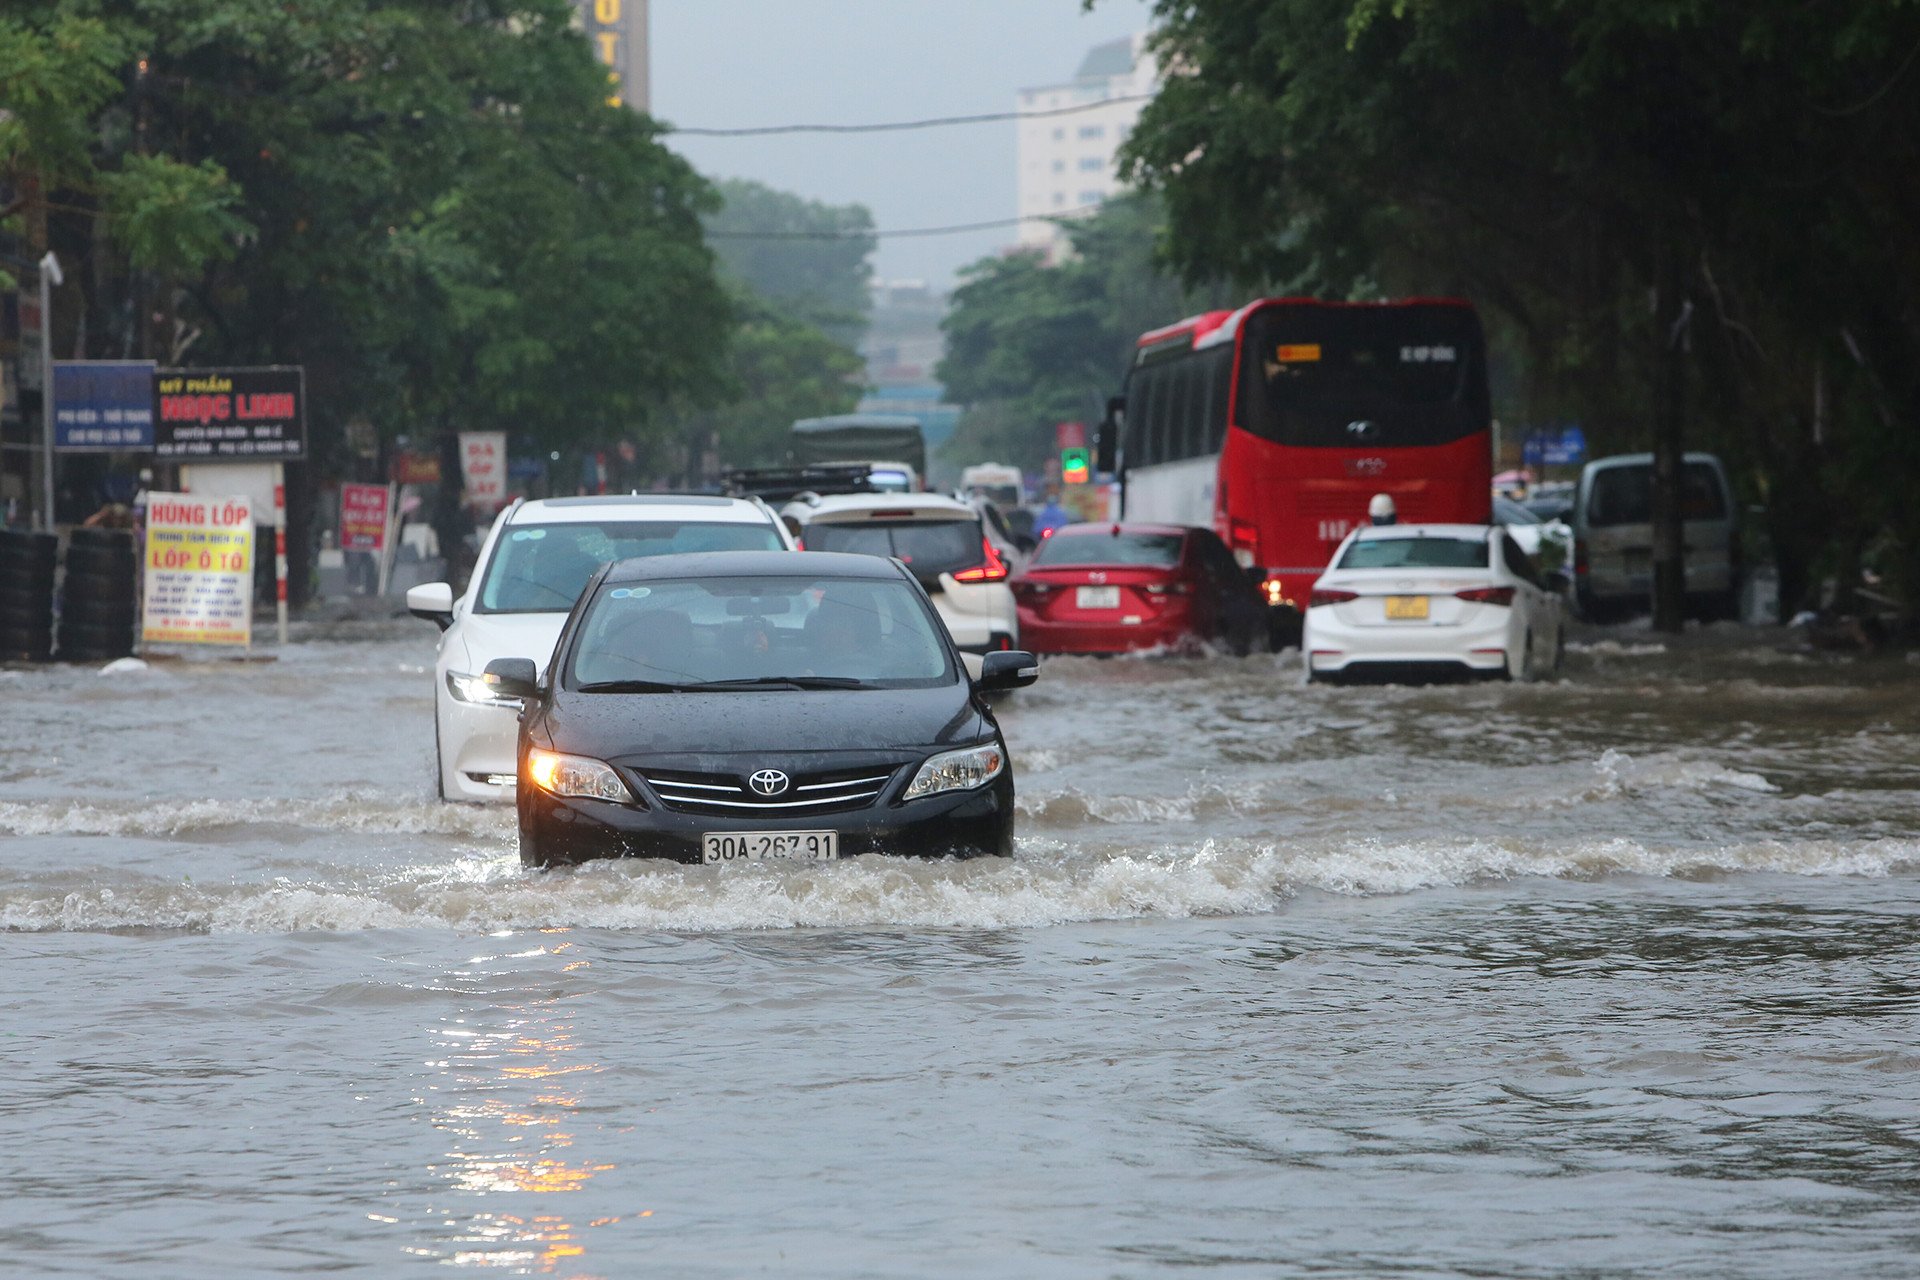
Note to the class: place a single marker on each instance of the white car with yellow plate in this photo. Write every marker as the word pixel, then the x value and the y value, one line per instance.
pixel 1432 599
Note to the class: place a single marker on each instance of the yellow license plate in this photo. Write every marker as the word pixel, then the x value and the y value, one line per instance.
pixel 1406 608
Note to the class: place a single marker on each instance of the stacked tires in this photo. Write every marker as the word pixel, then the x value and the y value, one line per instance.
pixel 97 603
pixel 26 595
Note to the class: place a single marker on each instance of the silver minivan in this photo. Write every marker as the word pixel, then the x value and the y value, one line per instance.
pixel 1613 534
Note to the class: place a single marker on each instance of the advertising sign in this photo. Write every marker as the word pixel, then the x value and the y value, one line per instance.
pixel 363 517
pixel 102 404
pixel 248 415
pixel 1563 446
pixel 199 587
pixel 483 465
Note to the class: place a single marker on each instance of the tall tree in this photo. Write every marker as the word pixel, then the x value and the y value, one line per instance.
pixel 1747 167
pixel 1030 345
pixel 809 257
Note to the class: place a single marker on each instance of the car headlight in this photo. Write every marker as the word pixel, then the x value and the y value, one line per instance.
pixel 960 770
pixel 475 689
pixel 564 775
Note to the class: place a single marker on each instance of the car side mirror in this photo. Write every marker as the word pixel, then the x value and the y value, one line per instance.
pixel 1007 669
pixel 1559 583
pixel 1025 545
pixel 513 677
pixel 432 601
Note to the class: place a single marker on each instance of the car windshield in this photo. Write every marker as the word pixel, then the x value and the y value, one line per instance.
pixel 1158 550
pixel 1624 495
pixel 542 568
pixel 758 632
pixel 1416 553
pixel 928 547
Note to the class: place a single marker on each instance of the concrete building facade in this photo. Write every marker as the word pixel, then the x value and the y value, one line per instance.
pixel 1065 157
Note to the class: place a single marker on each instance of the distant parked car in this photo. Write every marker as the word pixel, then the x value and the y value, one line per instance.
pixel 1613 534
pixel 1432 599
pixel 1548 542
pixel 1109 588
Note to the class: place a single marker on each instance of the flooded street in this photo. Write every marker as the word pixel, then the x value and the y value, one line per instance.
pixel 1606 976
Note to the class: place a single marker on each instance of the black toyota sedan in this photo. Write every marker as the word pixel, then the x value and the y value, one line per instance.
pixel 745 705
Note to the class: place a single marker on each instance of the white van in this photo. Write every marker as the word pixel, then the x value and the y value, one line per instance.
pixel 1613 534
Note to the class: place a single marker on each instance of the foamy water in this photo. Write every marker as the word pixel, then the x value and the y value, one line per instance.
pixel 1608 974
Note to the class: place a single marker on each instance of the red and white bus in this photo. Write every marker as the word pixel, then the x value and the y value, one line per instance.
pixel 1275 425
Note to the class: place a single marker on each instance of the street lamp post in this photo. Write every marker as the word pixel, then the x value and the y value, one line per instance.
pixel 49 277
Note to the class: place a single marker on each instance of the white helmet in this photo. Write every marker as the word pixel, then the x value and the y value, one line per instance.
pixel 1381 510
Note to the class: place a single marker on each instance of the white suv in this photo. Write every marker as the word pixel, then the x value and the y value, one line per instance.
pixel 941 542
pixel 531 569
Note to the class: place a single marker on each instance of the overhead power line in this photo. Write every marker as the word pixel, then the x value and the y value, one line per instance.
pixel 900 233
pixel 896 126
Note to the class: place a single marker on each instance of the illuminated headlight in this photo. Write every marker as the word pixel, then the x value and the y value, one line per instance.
pixel 564 775
pixel 475 689
pixel 958 771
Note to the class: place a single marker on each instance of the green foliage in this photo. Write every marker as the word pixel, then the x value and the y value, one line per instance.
pixel 172 218
pixel 814 263
pixel 780 368
pixel 1031 345
pixel 430 206
pixel 1748 166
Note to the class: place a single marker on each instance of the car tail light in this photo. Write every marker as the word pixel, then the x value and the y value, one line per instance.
pixel 1580 559
pixel 1502 596
pixel 1242 537
pixel 994 570
pixel 1327 595
pixel 1025 590
pixel 1167 589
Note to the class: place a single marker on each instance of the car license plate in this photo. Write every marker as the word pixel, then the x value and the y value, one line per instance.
pixel 759 846
pixel 1097 597
pixel 1406 608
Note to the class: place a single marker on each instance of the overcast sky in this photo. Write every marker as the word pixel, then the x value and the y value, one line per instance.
pixel 735 63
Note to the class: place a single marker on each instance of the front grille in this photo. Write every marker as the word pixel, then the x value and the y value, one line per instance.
pixel 832 792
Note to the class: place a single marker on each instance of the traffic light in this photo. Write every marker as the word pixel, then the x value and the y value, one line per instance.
pixel 1075 465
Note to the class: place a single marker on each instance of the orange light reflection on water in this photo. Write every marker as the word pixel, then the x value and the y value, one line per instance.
pixel 511 1133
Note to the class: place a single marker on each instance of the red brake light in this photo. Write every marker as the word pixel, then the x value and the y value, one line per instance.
pixel 1167 588
pixel 1502 596
pixel 1327 595
pixel 994 570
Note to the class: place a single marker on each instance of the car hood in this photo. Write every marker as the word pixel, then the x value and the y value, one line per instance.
pixel 487 636
pixel 703 730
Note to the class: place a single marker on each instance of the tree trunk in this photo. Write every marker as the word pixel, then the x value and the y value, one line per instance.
pixel 1671 317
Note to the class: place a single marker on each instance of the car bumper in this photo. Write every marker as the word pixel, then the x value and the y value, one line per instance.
pixel 1040 636
pixel 1332 647
pixel 478 746
pixel 556 829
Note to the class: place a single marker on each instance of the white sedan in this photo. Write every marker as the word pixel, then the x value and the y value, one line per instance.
pixel 1432 597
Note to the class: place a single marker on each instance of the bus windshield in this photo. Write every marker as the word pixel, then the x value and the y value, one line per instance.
pixel 1360 377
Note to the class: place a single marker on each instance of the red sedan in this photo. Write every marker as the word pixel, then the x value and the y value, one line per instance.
pixel 1111 588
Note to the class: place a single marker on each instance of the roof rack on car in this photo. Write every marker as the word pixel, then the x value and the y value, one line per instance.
pixel 782 484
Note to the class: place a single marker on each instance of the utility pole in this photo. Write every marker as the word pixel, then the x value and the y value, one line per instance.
pixel 1673 315
pixel 49 276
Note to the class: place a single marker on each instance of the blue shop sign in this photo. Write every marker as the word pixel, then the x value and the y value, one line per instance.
pixel 102 405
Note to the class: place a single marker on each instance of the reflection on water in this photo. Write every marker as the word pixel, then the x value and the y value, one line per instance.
pixel 517 1076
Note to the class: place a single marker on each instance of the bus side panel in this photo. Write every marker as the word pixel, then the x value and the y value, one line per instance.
pixel 1300 502
pixel 1174 492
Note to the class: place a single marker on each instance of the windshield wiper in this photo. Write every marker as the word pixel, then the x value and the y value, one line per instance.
pixel 636 686
pixel 787 682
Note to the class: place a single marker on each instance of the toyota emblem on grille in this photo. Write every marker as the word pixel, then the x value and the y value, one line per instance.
pixel 768 782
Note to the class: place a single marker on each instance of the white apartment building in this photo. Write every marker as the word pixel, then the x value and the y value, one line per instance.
pixel 1066 159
